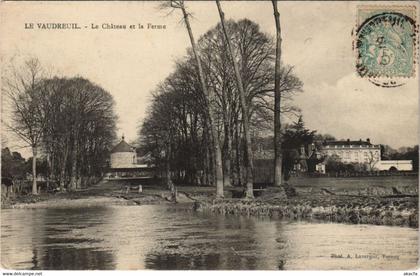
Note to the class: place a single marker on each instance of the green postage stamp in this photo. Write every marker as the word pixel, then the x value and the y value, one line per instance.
pixel 386 41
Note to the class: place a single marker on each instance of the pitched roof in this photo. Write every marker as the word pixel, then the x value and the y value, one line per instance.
pixel 122 147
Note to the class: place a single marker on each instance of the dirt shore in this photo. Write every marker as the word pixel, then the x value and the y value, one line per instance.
pixel 382 208
pixel 104 193
pixel 35 202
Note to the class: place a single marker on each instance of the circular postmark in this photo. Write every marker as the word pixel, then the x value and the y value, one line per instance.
pixel 385 45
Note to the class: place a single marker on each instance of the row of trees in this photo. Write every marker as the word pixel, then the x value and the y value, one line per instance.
pixel 70 122
pixel 203 116
pixel 403 153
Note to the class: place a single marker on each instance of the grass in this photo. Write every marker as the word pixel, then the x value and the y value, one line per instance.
pixel 374 200
pixel 381 186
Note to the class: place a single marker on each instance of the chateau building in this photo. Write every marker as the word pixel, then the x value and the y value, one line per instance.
pixel 346 151
pixel 352 151
pixel 363 152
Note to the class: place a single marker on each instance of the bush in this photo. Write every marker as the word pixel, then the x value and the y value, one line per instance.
pixel 334 165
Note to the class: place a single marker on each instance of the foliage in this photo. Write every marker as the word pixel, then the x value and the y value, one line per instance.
pixel 404 153
pixel 80 132
pixel 12 164
pixel 27 99
pixel 70 122
pixel 409 153
pixel 334 165
pixel 178 122
pixel 295 136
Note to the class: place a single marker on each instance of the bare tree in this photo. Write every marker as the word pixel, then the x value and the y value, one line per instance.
pixel 26 98
pixel 277 102
pixel 178 111
pixel 209 95
pixel 372 159
pixel 176 125
pixel 248 151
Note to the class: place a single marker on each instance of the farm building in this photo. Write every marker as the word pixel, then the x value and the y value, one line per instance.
pixel 124 162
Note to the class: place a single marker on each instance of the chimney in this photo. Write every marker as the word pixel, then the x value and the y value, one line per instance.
pixel 368 140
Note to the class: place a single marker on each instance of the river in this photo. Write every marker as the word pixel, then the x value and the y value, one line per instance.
pixel 168 237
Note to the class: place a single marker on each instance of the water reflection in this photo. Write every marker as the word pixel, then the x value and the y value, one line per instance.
pixel 164 237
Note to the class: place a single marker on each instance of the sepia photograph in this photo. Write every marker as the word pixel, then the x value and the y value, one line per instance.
pixel 209 135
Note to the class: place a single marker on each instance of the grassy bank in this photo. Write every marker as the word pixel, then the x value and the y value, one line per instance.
pixel 388 201
pixel 368 200
pixel 401 211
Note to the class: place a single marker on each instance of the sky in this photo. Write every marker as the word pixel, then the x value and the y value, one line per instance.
pixel 317 41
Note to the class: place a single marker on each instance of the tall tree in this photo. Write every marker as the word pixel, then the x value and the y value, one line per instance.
pixel 210 98
pixel 26 97
pixel 248 151
pixel 179 108
pixel 295 137
pixel 277 102
pixel 176 121
pixel 80 131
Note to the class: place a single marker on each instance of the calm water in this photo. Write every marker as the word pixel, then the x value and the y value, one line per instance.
pixel 164 237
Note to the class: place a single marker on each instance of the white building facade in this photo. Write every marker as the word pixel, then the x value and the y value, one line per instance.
pixel 363 152
pixel 353 151
pixel 395 165
pixel 123 156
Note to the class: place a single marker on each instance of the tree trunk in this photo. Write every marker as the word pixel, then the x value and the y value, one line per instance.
pixel 227 170
pixel 277 103
pixel 205 180
pixel 219 169
pixel 34 156
pixel 63 168
pixel 79 179
pixel 248 151
pixel 238 153
pixel 227 155
pixel 73 177
pixel 50 172
pixel 206 169
pixel 209 94
pixel 168 179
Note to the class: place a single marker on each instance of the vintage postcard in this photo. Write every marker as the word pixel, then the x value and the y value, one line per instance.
pixel 209 135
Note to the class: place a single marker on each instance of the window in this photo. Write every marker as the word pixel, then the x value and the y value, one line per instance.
pixel 365 155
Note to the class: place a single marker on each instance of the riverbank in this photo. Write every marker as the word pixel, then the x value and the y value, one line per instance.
pixel 356 205
pixel 387 210
pixel 104 193
pixel 88 201
pixel 378 201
